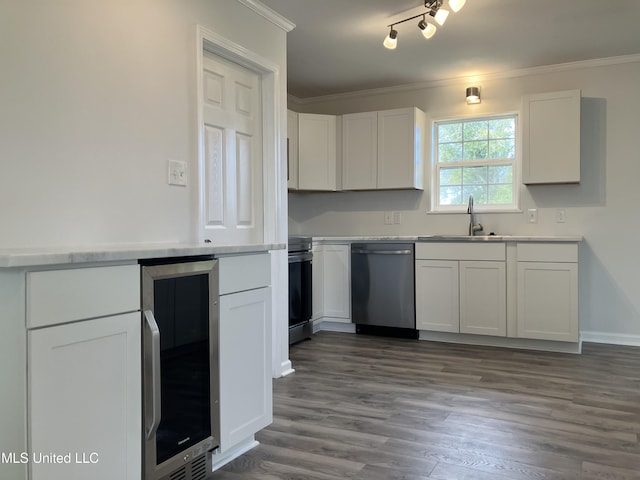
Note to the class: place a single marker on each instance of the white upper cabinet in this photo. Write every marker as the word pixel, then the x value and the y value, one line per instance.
pixel 551 140
pixel 292 150
pixel 383 150
pixel 317 155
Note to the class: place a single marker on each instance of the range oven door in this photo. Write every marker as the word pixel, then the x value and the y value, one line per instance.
pixel 300 305
pixel 180 365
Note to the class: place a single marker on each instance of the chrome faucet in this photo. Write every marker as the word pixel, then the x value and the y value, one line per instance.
pixel 473 227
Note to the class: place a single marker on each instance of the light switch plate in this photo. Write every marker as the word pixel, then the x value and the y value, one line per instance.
pixel 177 173
pixel 532 215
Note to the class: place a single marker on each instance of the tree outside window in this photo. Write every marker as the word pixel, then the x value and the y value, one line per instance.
pixel 475 156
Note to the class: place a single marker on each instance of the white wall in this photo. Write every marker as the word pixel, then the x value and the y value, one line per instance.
pixel 96 97
pixel 603 207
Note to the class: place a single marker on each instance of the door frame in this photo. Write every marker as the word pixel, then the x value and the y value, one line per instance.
pixel 272 171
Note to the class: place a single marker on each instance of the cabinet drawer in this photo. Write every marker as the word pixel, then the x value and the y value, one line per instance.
pixel 60 296
pixel 547 252
pixel 460 251
pixel 244 272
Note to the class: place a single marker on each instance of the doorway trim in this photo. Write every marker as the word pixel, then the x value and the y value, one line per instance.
pixel 269 72
pixel 274 191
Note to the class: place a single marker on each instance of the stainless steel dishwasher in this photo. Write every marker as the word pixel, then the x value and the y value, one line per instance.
pixel 382 289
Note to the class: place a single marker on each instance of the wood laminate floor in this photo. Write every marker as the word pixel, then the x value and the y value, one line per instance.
pixel 361 407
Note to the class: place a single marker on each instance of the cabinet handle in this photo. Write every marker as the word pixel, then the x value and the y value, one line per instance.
pixel 152 369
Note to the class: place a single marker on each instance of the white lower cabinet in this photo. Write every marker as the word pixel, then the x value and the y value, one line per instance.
pixel 483 298
pixel 547 290
pixel 461 288
pixel 245 365
pixel 84 399
pixel 437 296
pixel 332 282
pixel 84 404
pixel 244 352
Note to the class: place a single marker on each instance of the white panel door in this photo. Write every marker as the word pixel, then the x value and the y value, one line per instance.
pixel 397 148
pixel 245 365
pixel 317 156
pixel 548 301
pixel 337 282
pixel 360 151
pixel 85 399
pixel 437 299
pixel 231 174
pixel 317 282
pixel 551 143
pixel 292 150
pixel 483 298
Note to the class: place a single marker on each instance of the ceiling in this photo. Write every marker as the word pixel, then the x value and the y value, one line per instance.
pixel 336 46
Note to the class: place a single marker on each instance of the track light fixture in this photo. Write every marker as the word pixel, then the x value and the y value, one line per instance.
pixel 434 11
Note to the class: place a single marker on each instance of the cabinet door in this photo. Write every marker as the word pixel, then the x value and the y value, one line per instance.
pixel 317 282
pixel 437 299
pixel 85 399
pixel 400 148
pixel 292 150
pixel 317 157
pixel 245 365
pixel 551 141
pixel 548 301
pixel 337 282
pixel 483 298
pixel 360 151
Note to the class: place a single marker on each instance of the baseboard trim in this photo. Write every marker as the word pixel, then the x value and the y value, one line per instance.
pixel 592 337
pixel 220 460
pixel 329 326
pixel 286 368
pixel 611 338
pixel 506 342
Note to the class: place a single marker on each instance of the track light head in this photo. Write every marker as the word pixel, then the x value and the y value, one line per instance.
pixel 456 5
pixel 428 29
pixel 391 42
pixel 441 16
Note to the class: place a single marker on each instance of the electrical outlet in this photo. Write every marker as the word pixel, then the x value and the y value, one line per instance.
pixel 177 173
pixel 388 218
pixel 561 215
pixel 532 215
pixel 396 218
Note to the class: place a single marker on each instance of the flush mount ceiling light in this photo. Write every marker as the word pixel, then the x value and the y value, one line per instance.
pixel 473 95
pixel 434 12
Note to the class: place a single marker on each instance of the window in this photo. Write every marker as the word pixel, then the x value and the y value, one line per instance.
pixel 475 156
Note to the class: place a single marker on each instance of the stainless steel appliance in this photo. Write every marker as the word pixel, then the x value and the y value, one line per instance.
pixel 382 288
pixel 300 303
pixel 180 364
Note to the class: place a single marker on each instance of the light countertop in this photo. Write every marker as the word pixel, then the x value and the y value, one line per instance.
pixel 449 238
pixel 31 257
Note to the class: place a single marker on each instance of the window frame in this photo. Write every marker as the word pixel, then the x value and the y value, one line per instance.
pixel 516 163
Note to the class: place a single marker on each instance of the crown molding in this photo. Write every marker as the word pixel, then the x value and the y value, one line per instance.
pixel 523 72
pixel 271 15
